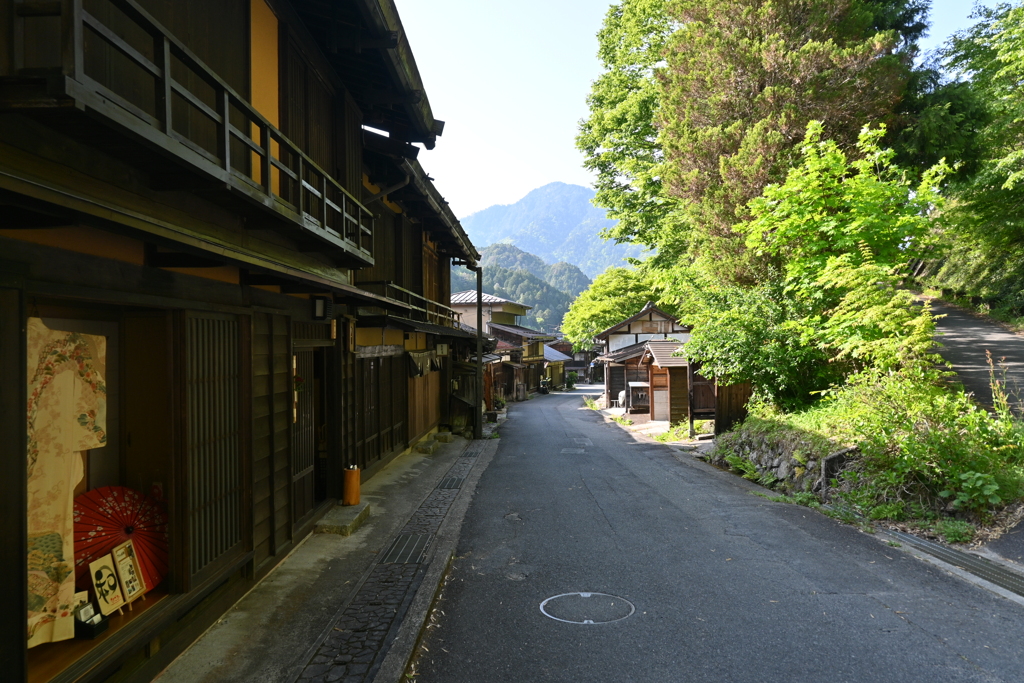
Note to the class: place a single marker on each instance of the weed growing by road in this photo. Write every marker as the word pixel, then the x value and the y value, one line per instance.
pixel 590 403
pixel 677 432
pixel 748 470
pixel 955 530
pixel 624 421
pixel 800 498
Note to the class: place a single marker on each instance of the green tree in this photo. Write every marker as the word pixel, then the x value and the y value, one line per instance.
pixel 985 222
pixel 839 230
pixel 743 79
pixel 619 139
pixel 614 295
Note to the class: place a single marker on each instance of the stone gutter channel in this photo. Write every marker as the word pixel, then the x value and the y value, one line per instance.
pixel 981 567
pixel 373 635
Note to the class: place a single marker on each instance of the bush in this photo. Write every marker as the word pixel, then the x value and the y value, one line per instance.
pixel 924 442
pixel 924 448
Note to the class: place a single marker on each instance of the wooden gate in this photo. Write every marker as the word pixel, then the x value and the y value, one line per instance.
pixel 732 406
pixel 703 398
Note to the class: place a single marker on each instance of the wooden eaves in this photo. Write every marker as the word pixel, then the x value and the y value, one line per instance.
pixel 365 43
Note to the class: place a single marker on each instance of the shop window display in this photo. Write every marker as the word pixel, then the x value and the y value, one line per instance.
pixel 90 457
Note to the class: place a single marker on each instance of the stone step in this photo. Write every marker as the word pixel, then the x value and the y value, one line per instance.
pixel 444 437
pixel 427 447
pixel 343 520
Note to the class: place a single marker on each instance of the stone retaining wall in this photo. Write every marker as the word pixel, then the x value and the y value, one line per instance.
pixel 792 459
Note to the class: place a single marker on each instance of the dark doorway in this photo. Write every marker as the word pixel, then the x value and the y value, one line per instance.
pixel 309 431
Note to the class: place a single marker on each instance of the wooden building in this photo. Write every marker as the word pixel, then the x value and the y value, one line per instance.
pixel 679 393
pixel 494 308
pixel 501 321
pixel 554 365
pixel 219 284
pixel 624 343
pixel 667 376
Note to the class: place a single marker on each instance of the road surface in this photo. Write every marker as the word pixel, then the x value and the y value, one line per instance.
pixel 726 585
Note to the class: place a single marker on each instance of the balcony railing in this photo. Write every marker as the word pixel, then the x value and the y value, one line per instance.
pixel 423 309
pixel 131 70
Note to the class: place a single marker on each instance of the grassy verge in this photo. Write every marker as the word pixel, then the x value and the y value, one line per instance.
pixel 928 458
pixel 681 431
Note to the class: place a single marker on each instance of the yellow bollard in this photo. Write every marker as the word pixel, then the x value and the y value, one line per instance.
pixel 350 490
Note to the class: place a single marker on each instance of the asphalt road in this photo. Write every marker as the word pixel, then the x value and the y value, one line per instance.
pixel 727 586
pixel 965 339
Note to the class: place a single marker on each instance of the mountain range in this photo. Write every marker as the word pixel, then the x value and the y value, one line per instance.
pixel 514 274
pixel 557 223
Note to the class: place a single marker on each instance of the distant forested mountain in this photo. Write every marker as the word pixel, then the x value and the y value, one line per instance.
pixel 556 222
pixel 549 304
pixel 525 278
pixel 563 276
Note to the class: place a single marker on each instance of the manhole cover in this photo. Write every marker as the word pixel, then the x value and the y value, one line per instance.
pixel 587 608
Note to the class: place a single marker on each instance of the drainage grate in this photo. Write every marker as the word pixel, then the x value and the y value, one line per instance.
pixel 451 483
pixel 979 566
pixel 473 450
pixel 573 450
pixel 406 549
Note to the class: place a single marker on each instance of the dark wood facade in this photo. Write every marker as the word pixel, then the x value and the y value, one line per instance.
pixel 190 181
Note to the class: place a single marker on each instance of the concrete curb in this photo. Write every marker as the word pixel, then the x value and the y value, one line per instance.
pixel 392 669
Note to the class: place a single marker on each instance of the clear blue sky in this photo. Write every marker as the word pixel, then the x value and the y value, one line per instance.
pixel 510 79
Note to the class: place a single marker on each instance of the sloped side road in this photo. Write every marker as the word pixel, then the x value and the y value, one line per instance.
pixel 965 340
pixel 727 586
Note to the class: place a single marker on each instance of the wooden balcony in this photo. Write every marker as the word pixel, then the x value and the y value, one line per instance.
pixel 171 115
pixel 420 307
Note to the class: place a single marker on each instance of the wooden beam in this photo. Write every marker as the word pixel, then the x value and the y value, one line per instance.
pixel 21 217
pixel 390 146
pixel 390 97
pixel 13 490
pixel 165 259
pixel 342 38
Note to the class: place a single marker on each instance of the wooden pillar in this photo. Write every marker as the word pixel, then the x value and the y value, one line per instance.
pixel 478 428
pixel 13 489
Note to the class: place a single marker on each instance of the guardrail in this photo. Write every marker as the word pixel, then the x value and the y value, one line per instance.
pixel 244 150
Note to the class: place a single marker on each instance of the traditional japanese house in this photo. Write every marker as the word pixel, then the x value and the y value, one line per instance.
pixel 218 290
pixel 667 377
pixel 679 393
pixel 623 346
pixel 494 308
pixel 580 361
pixel 531 342
pixel 501 321
pixel 554 365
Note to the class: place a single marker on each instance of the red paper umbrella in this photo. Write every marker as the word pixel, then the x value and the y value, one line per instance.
pixel 108 516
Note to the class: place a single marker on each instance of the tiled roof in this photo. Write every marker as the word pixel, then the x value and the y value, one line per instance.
pixel 524 332
pixel 469 297
pixel 631 351
pixel 554 355
pixel 662 352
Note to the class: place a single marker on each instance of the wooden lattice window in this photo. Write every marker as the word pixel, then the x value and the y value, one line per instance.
pixel 215 440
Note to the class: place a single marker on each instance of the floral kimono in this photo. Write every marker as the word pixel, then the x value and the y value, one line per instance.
pixel 66 415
